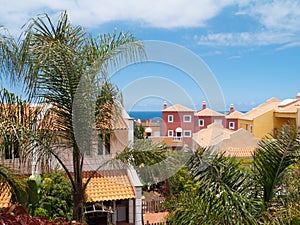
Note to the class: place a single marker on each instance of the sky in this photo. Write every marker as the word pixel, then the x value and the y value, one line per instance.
pixel 241 52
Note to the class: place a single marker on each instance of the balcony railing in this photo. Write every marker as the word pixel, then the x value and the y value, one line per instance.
pixel 176 138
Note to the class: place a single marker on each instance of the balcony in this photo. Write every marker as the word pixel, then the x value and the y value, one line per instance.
pixel 177 138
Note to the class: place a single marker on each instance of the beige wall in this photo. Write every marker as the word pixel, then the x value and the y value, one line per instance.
pixel 118 141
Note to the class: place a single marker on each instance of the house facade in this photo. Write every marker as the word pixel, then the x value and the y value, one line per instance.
pixel 232 118
pixel 118 188
pixel 178 124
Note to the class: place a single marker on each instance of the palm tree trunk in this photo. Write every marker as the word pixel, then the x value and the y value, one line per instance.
pixel 78 192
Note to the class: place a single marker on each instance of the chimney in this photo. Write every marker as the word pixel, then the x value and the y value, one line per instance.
pixel 204 105
pixel 165 104
pixel 231 108
pixel 298 96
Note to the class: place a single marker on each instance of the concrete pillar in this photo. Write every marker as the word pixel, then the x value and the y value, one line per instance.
pixel 138 207
pixel 131 211
pixel 114 215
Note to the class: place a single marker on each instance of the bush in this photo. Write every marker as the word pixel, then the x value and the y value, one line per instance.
pixel 17 215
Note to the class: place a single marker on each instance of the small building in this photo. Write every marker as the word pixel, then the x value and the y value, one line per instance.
pixel 260 120
pixel 206 116
pixel 178 123
pixel 232 117
pixel 113 196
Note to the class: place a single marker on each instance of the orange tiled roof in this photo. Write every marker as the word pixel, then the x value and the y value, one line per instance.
pixel 177 108
pixel 168 141
pixel 240 152
pixel 270 104
pixel 234 115
pixel 109 186
pixel 213 134
pixel 5 198
pixel 288 106
pixel 208 112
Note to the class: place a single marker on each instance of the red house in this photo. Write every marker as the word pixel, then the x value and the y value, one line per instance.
pixel 232 118
pixel 206 116
pixel 178 124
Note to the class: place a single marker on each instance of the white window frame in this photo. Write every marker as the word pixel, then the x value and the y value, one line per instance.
pixel 231 125
pixel 187 116
pixel 190 133
pixel 170 133
pixel 199 123
pixel 169 119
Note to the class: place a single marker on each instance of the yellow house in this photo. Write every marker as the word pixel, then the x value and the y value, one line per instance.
pixel 270 116
pixel 288 111
pixel 260 120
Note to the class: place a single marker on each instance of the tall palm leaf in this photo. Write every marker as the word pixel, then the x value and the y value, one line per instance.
pixel 273 157
pixel 223 194
pixel 59 59
pixel 8 58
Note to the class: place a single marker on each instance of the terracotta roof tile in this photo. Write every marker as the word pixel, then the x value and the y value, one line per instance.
pixel 212 135
pixel 108 186
pixel 234 115
pixel 177 108
pixel 239 152
pixel 288 106
pixel 208 112
pixel 5 198
pixel 270 104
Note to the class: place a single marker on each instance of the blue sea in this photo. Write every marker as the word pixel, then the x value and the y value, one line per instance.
pixel 145 115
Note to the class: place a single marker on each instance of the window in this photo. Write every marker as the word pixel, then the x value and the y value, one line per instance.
pixel 187 133
pixel 170 133
pixel 231 125
pixel 187 118
pixel 170 118
pixel 104 144
pixel 201 123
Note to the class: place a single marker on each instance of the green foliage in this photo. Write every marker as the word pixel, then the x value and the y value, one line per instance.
pixel 56 195
pixel 40 213
pixel 222 196
pixel 273 157
pixel 49 195
pixel 139 132
pixel 265 191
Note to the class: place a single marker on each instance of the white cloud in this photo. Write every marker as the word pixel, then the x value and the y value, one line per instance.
pixel 277 14
pixel 279 24
pixel 289 45
pixel 90 13
pixel 244 39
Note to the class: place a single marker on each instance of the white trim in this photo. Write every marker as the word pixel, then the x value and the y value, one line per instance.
pixel 199 123
pixel 169 133
pixel 187 116
pixel 189 135
pixel 169 119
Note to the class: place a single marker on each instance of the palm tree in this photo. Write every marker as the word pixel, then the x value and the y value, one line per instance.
pixel 273 157
pixel 230 193
pixel 222 194
pixel 61 64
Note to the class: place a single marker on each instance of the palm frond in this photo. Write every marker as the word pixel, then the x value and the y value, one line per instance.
pixel 273 157
pixel 224 190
